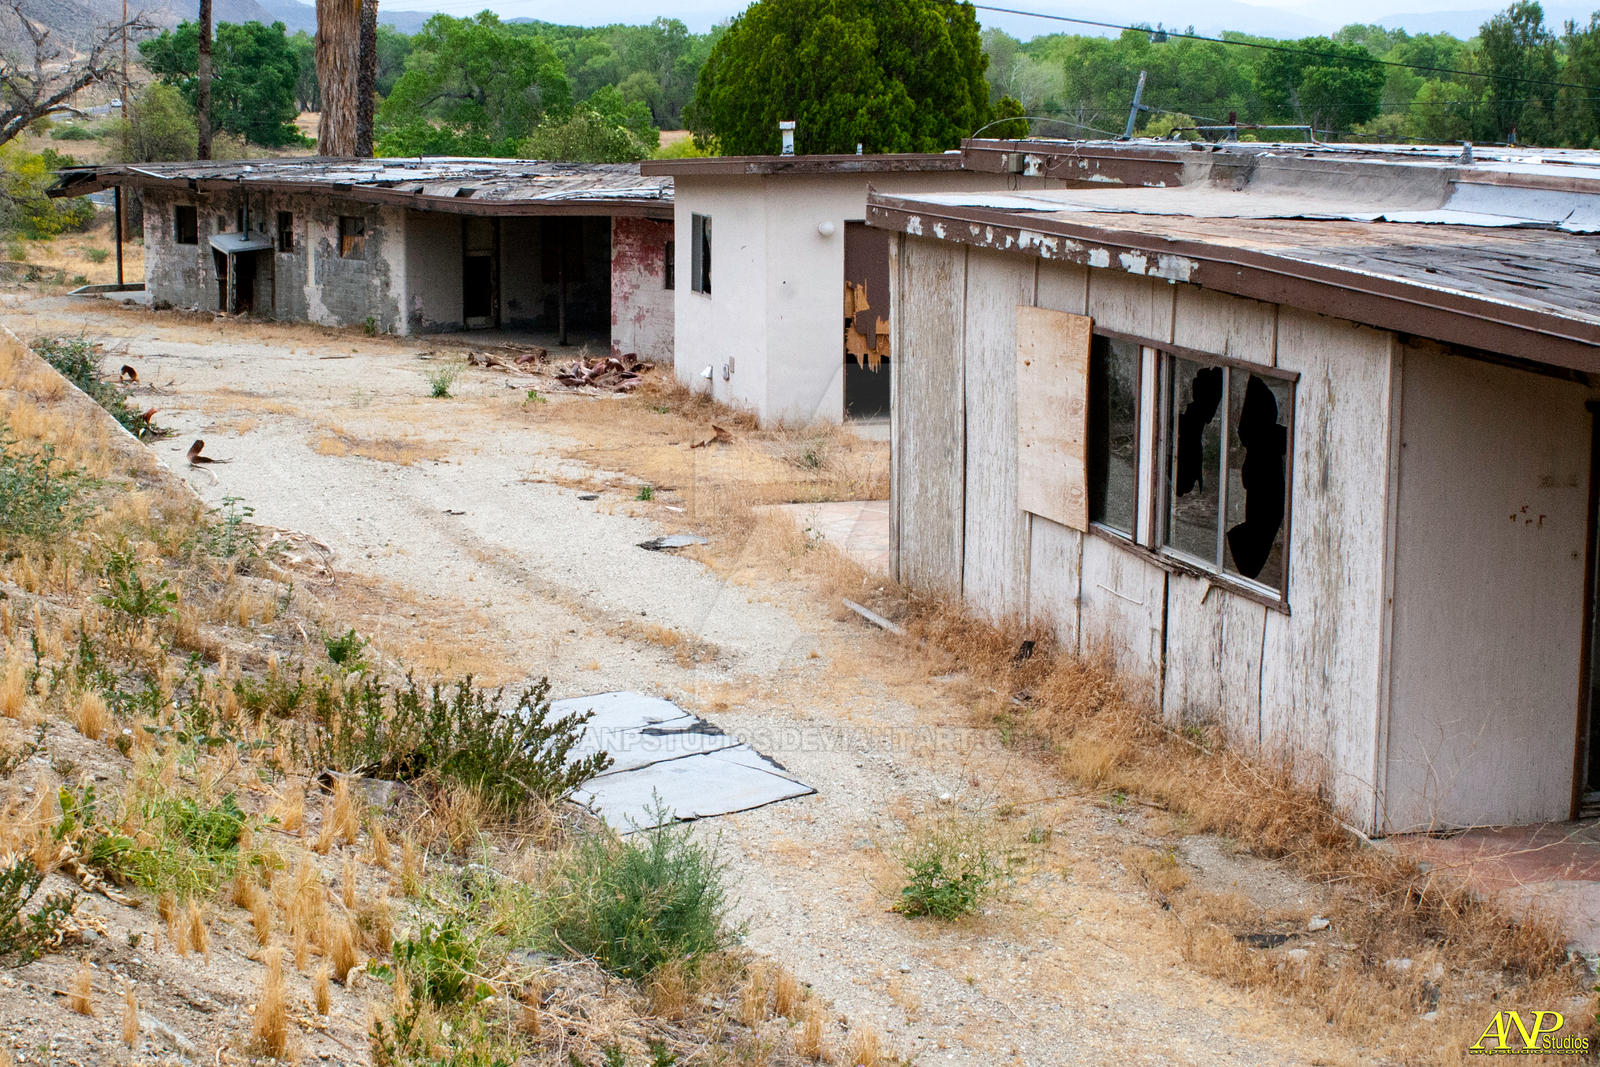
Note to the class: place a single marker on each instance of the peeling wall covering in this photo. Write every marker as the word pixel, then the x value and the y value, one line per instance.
pixel 309 282
pixel 641 304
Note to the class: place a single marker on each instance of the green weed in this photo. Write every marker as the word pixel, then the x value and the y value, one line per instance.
pixel 440 379
pixel 25 936
pixel 638 902
pixel 949 870
pixel 39 495
pixel 128 594
pixel 74 358
pixel 646 492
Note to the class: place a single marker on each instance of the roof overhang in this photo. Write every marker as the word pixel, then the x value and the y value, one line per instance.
pixel 234 243
pixel 733 166
pixel 80 181
pixel 1473 321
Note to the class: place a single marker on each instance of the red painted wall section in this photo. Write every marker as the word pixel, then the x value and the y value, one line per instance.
pixel 641 304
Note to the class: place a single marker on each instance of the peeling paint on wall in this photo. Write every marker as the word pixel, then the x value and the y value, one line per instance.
pixel 641 304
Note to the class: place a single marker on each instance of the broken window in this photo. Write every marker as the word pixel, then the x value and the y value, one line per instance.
pixel 669 266
pixel 700 254
pixel 352 237
pixel 1228 468
pixel 285 231
pixel 1113 444
pixel 185 225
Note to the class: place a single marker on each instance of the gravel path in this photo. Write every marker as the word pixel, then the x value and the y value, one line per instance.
pixel 1072 964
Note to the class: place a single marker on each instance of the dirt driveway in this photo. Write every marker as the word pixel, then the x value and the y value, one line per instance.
pixel 461 538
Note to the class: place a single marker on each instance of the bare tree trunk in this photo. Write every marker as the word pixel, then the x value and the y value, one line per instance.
pixel 338 62
pixel 367 81
pixel 203 95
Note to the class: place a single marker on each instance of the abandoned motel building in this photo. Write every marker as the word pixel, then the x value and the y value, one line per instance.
pixel 1305 437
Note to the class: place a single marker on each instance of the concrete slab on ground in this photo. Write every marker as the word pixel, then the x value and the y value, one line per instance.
pixel 860 528
pixel 669 765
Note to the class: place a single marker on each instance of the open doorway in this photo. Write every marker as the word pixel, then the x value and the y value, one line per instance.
pixel 1586 765
pixel 866 322
pixel 480 273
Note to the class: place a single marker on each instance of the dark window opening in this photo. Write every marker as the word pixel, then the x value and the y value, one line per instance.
pixel 1114 382
pixel 669 266
pixel 185 225
pixel 285 231
pixel 1258 476
pixel 700 266
pixel 352 237
pixel 1228 468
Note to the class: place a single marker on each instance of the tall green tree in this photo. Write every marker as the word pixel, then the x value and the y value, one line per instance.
pixel 472 86
pixel 253 79
pixel 1322 83
pixel 890 75
pixel 1519 55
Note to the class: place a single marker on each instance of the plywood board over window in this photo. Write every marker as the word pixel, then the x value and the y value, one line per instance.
pixel 1053 414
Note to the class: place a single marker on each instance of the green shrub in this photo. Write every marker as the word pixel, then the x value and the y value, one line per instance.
pixel 72 133
pixel 345 650
pixel 949 870
pixel 635 903
pixel 442 965
pixel 74 358
pixel 128 594
pixel 39 495
pixel 512 756
pixel 98 255
pixel 440 379
pixel 26 936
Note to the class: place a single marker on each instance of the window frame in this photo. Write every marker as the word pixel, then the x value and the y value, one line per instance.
pixel 178 229
pixel 700 235
pixel 286 232
pixel 1140 512
pixel 669 266
pixel 1160 484
pixel 361 250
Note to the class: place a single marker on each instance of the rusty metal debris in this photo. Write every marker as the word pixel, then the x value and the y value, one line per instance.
pixel 525 361
pixel 719 436
pixel 618 374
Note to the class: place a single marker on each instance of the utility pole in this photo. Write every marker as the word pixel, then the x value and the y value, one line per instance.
pixel 1133 112
pixel 203 101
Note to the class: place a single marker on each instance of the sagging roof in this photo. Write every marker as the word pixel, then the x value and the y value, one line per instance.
pixel 896 162
pixel 1499 254
pixel 430 183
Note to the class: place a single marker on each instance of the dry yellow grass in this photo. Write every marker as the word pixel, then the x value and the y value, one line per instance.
pixel 270 1028
pixel 322 996
pixel 401 451
pixel 198 932
pixel 13 688
pixel 130 1016
pixel 90 715
pixel 81 995
pixel 812 1040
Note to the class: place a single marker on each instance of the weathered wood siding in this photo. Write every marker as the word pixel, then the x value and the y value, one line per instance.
pixel 1488 593
pixel 930 419
pixel 1305 683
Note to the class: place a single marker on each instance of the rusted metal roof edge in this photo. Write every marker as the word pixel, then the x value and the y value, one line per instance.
pixel 817 164
pixel 646 204
pixel 1372 299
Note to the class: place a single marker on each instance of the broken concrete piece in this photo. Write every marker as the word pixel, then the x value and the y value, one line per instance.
pixel 670 765
pixel 672 542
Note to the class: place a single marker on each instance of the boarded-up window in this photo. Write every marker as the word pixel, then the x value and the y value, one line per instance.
pixel 1052 415
pixel 185 225
pixel 700 254
pixel 352 237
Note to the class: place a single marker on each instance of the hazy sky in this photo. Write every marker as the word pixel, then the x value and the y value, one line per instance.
pixel 1283 18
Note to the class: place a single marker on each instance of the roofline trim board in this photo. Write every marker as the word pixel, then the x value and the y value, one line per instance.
pixel 734 166
pixel 1390 304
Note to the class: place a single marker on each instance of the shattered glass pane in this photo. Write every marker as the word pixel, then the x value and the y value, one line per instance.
pixel 1195 465
pixel 1258 447
pixel 1113 433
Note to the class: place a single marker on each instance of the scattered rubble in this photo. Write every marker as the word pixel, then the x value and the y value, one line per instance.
pixel 617 374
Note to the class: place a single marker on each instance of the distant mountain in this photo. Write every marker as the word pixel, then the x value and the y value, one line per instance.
pixel 75 21
pixel 1466 24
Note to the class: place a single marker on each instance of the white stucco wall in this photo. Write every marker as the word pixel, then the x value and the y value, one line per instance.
pixel 776 308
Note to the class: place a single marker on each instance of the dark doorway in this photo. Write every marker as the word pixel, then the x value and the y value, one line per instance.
pixel 866 322
pixel 244 282
pixel 220 260
pixel 1586 791
pixel 480 273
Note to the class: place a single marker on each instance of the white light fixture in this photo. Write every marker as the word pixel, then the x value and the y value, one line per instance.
pixel 707 373
pixel 825 227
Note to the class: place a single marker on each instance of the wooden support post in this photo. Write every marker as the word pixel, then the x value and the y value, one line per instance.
pixel 561 293
pixel 118 200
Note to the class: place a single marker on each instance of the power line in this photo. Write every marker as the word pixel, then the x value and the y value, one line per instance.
pixel 1369 58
